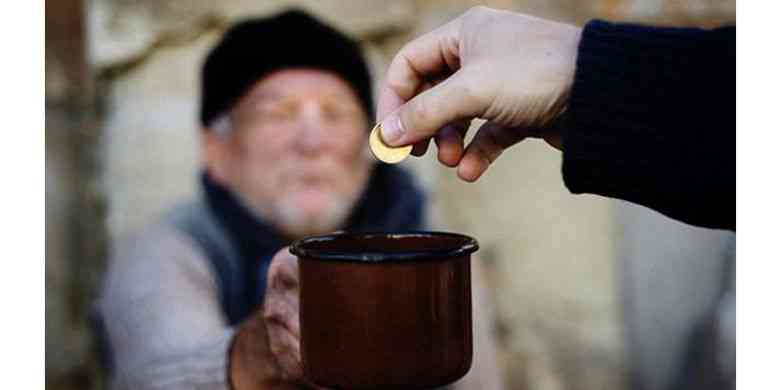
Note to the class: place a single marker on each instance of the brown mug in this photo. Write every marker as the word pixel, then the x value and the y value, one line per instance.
pixel 385 311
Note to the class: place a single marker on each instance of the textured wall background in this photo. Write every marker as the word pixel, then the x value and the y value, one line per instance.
pixel 121 81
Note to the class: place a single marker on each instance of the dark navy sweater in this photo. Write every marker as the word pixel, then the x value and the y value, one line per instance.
pixel 652 120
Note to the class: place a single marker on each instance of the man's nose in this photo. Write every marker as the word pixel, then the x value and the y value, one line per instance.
pixel 310 137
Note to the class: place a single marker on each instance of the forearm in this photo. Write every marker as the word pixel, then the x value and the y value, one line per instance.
pixel 651 120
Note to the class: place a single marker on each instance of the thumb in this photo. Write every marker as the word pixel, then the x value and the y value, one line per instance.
pixel 457 97
pixel 283 271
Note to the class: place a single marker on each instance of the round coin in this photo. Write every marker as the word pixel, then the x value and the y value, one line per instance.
pixel 382 151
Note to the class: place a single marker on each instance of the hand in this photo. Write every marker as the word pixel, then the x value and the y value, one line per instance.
pixel 513 70
pixel 266 353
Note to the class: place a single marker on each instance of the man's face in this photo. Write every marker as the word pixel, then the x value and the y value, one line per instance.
pixel 294 151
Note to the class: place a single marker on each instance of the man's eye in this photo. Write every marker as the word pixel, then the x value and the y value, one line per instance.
pixel 339 113
pixel 277 114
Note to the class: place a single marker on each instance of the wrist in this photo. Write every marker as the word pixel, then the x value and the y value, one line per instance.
pixel 553 134
pixel 571 45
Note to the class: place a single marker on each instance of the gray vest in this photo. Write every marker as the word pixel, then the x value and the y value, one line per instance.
pixel 198 222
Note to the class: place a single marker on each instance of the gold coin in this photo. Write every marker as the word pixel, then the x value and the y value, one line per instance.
pixel 382 151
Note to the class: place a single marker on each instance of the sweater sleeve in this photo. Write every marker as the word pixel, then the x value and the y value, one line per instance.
pixel 162 315
pixel 652 120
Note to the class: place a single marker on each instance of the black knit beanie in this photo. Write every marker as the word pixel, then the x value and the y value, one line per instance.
pixel 254 48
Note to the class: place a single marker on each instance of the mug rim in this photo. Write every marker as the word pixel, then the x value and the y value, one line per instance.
pixel 299 248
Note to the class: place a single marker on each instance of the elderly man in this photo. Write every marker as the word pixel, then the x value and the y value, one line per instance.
pixel 206 298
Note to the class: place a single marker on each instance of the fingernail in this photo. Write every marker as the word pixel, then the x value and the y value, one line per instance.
pixel 392 129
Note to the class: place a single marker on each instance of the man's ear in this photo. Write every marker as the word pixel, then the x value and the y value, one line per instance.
pixel 214 149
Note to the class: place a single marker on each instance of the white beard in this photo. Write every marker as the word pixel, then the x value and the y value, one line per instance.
pixel 290 219
pixel 284 211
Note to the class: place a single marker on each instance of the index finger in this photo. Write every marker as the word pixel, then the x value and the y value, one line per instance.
pixel 430 55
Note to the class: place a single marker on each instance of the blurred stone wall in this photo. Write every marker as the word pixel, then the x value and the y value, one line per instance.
pixel 551 258
pixel 75 220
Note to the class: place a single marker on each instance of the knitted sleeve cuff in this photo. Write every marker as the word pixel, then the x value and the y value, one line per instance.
pixel 640 119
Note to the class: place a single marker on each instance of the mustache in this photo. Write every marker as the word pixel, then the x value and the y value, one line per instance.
pixel 321 169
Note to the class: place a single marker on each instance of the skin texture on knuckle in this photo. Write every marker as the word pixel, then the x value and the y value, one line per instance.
pixel 477 19
pixel 284 348
pixel 280 307
pixel 469 89
pixel 478 11
pixel 285 278
pixel 416 115
pixel 459 97
pixel 272 312
pixel 403 87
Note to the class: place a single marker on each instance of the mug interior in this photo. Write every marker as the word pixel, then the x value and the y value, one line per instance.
pixel 382 247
